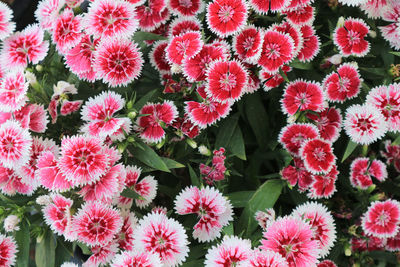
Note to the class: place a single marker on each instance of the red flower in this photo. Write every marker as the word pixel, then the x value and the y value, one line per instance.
pixel 247 44
pixel 182 46
pixel 188 8
pixel 294 135
pixel 301 15
pixel 318 156
pixel 67 31
pixel 311 44
pixel 153 15
pixel 297 174
pixel 158 57
pixel 183 24
pixel 349 38
pixel 294 32
pixel 69 107
pixel 392 154
pixel 273 80
pixel 328 122
pixel 362 169
pixel 324 184
pixel 263 6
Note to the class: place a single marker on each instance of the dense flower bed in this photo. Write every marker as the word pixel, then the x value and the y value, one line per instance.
pixel 201 133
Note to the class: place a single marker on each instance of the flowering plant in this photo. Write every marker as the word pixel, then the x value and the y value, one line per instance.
pixel 211 133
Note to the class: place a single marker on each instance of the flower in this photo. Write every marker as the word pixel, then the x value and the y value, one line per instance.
pixel 69 107
pixel 393 243
pixel 267 258
pixel 352 2
pixel 101 254
pixel 265 218
pixel 186 8
pixel 323 185
pixel 132 174
pixel 125 237
pixel 152 15
pixel 67 31
pixel 226 17
pixel 322 224
pixel 317 155
pixel 273 80
pixel 231 251
pixel 392 154
pixel 303 15
pixel 111 18
pixel 300 95
pixel 11 223
pixel 311 44
pixel 7 26
pixel 293 239
pixel 57 214
pixel 8 250
pixel 263 6
pixel 96 223
pixel 375 8
pixel 82 160
pixel 382 219
pixel 11 183
pixel 247 44
pixel 294 32
pixel 390 32
pixel 294 135
pixel 135 258
pixel 15 145
pixel 163 236
pixel 387 100
pixel 147 189
pixel 364 124
pixel 362 169
pixel 326 263
pixel 185 45
pixel 349 38
pixel 344 84
pixel 226 81
pixel 118 61
pixel 158 58
pixel 328 122
pixel 297 174
pixel 13 89
pixel 184 24
pixel 277 50
pixel 47 12
pixel 367 243
pixel 149 126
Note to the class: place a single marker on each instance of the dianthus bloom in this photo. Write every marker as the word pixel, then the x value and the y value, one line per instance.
pixel 326 263
pixel 387 100
pixel 293 239
pixel 186 8
pixel 297 174
pixel 392 154
pixel 323 185
pixel 57 214
pixel 232 251
pixel 47 12
pixel 226 17
pixel 109 18
pixel 303 15
pixel 382 219
pixel 349 38
pixel 125 237
pixel 96 223
pixel 83 159
pixel 301 95
pixel 317 155
pixel 158 58
pixel 226 81
pixel 8 251
pixel 267 258
pixel 13 89
pixel 185 45
pixel 11 183
pixel 322 224
pixel 118 61
pixel 263 6
pixel 247 44
pixel 135 258
pixel 328 122
pixel 311 44
pixel 362 169
pixel 165 237
pixel 393 243
pixel 216 172
pixel 25 47
pixel 67 31
pixel 343 84
pixel 391 32
pixel 152 15
pixel 293 136
pixel 149 125
pixel 214 211
pixel 6 25
pixel 364 124
pixel 277 50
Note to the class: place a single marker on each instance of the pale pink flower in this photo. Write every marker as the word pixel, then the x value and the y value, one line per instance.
pixel 8 250
pixel 13 89
pixel 232 251
pixel 57 214
pixel 136 258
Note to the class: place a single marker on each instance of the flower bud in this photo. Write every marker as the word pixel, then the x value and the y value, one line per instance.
pixel 11 223
pixel 204 150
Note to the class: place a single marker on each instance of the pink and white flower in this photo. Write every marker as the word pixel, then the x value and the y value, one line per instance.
pixel 231 251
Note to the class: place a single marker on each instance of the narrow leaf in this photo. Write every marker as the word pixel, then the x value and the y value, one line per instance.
pixel 225 131
pixel 193 177
pixel 240 199
pixel 129 193
pixel 147 36
pixel 23 241
pixel 147 155
pixel 349 149
pixel 236 144
pixel 45 250
pixel 172 164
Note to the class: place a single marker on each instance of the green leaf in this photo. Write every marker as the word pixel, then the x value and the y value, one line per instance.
pixel 193 177
pixel 147 36
pixel 64 252
pixel 144 99
pixel 257 117
pixel 236 144
pixel 349 149
pixel 300 65
pixel 85 249
pixel 228 230
pixel 172 164
pixel 129 193
pixel 283 74
pixel 240 199
pixel 146 154
pixel 225 131
pixel 396 141
pixel 265 197
pixel 193 263
pixel 395 53
pixel 23 241
pixel 45 250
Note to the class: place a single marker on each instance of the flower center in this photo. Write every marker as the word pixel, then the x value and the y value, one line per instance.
pixel 228 82
pixel 319 154
pixel 185 3
pixel 226 13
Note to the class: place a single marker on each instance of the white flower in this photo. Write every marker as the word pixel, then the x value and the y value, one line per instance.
pixel 11 223
pixel 43 200
pixel 204 150
pixel 64 88
pixel 30 77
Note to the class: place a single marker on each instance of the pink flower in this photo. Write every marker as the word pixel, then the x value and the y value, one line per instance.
pixel 364 124
pixel 58 214
pixel 294 4
pixel 101 255
pixel 225 17
pixel 263 6
pixel 318 156
pixel 106 18
pixel 349 38
pixel 69 107
pixel 47 12
pixel 184 24
pixel 226 81
pixel 150 126
pixel 11 183
pixel 294 135
pixel 216 172
pixel 393 243
pixel 135 258
pixel 293 239
pixel 273 80
pixel 392 154
pixel 8 250
pixel 158 57
pixel 323 185
pixel 212 208
pixel 96 223
pixel 367 243
pixel 297 174
pixel 118 61
pixel 322 224
pixel 391 32
pixel 247 44
pixel 125 237
pixel 30 116
pixel 67 31
pixel 326 263
pixel 82 160
pixel 344 84
pixel 165 237
pixel 6 24
pixel 328 122
pixel 152 15
pixel 382 219
pixel 300 95
pixel 186 126
pixel 15 145
pixel 49 175
pixel 375 8
pixel 186 45
pixel 303 15
pixel 362 169
pixel 13 89
pixel 311 44
pixel 294 32
pixel 232 251
pixel 267 258
pixel 132 174
pixel 188 8
pixel 387 100
pixel 277 50
pixel 147 189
